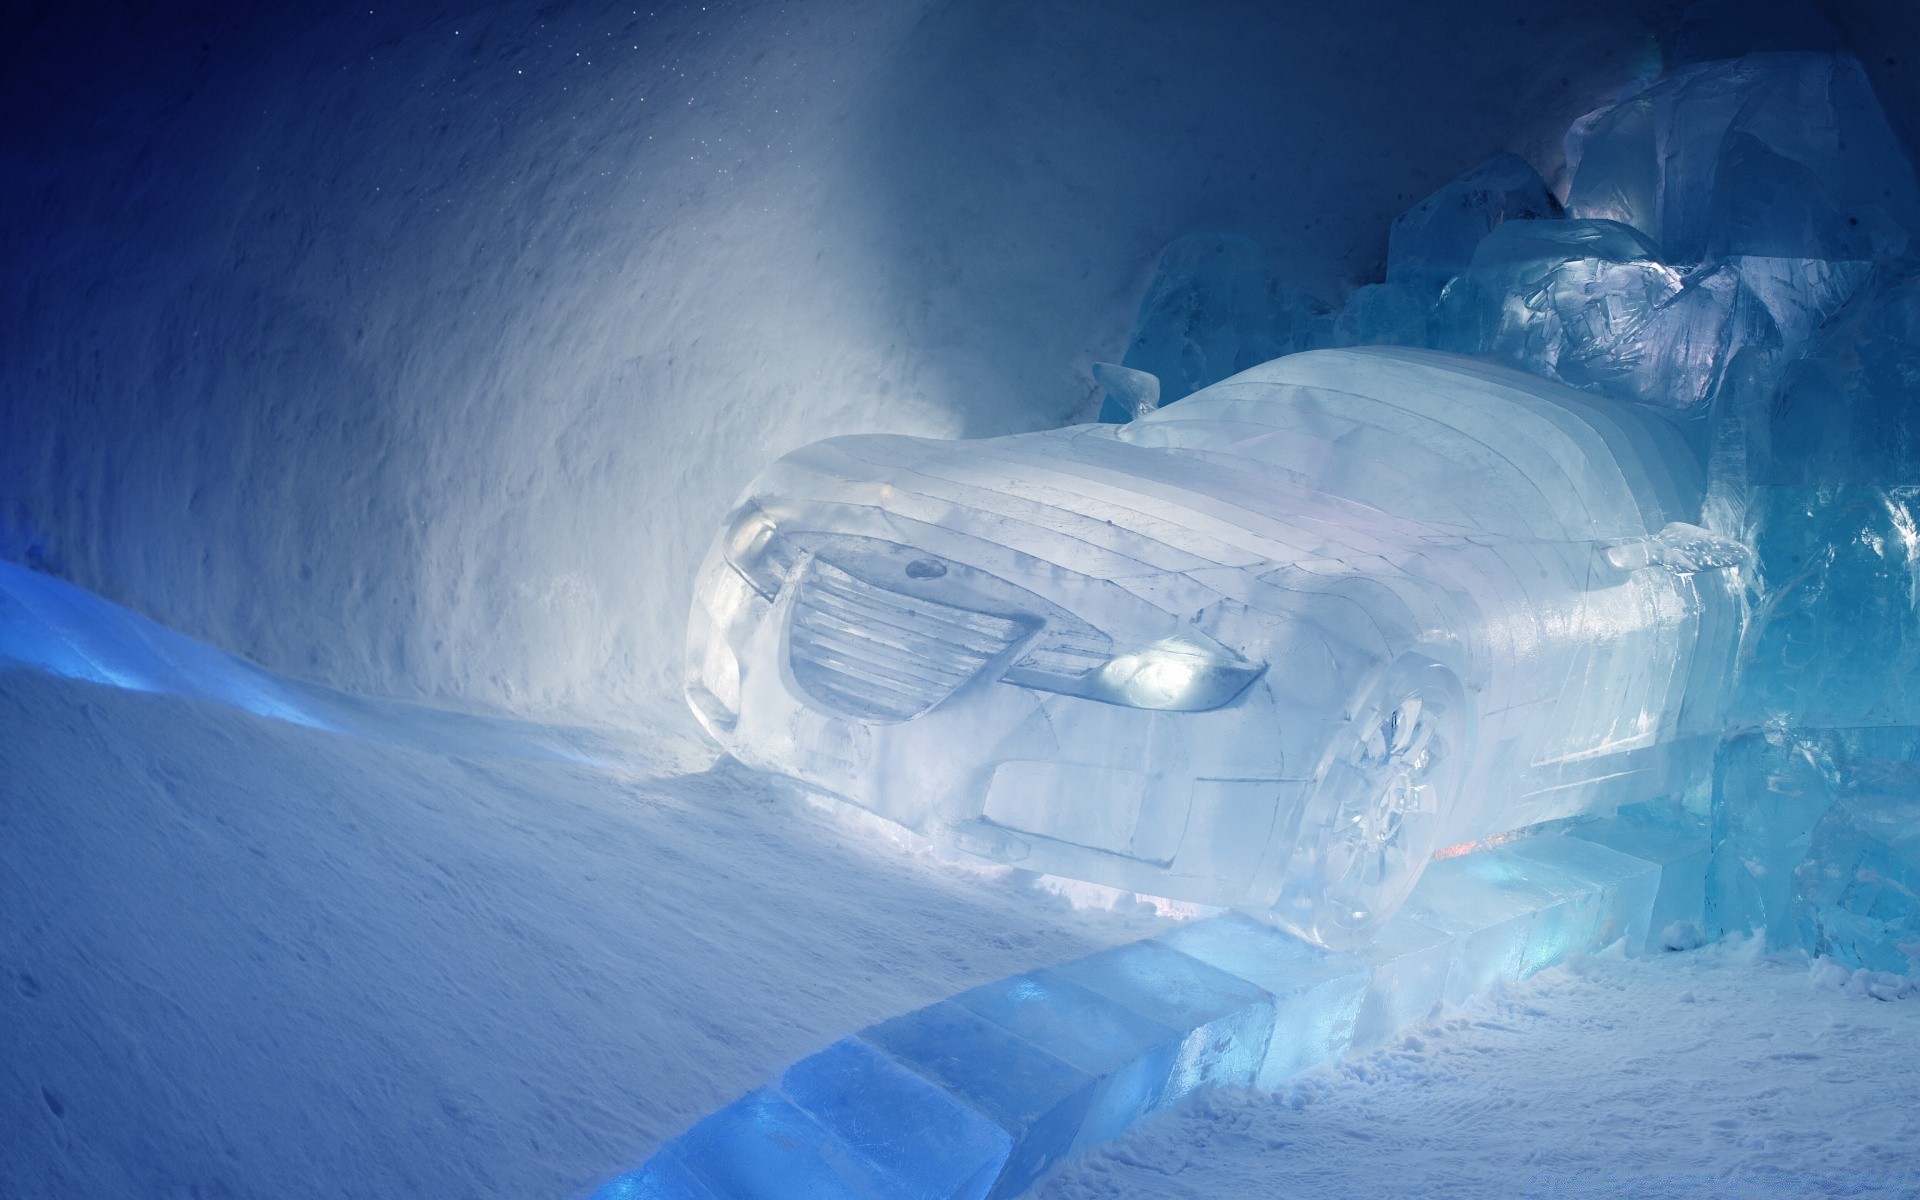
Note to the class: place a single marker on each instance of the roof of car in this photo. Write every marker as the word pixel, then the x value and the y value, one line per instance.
pixel 1455 439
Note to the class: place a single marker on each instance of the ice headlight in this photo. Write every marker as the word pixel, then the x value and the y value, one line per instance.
pixel 752 546
pixel 1184 673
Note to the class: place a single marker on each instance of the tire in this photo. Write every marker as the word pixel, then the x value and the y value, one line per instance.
pixel 1385 790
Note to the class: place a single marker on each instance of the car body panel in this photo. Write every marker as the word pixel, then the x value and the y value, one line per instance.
pixel 1323 516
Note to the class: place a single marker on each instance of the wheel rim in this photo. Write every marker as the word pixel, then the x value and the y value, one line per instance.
pixel 1377 831
pixel 1377 813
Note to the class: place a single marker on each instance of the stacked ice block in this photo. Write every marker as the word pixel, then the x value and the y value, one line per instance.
pixel 977 1095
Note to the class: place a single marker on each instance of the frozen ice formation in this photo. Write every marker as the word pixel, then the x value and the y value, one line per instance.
pixel 1435 239
pixel 1216 306
pixel 1260 648
pixel 1359 591
pixel 1774 155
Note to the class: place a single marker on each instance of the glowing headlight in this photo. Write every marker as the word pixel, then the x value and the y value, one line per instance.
pixel 752 547
pixel 1184 673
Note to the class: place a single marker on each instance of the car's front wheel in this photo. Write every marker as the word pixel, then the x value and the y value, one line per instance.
pixel 1378 811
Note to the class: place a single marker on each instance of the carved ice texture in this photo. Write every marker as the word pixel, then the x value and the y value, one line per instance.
pixel 1278 640
pixel 1269 647
pixel 1215 307
pixel 1435 239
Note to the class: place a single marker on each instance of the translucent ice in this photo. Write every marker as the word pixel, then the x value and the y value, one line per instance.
pixel 1777 155
pixel 1434 240
pixel 1268 647
pixel 1857 895
pixel 1216 306
pixel 1587 302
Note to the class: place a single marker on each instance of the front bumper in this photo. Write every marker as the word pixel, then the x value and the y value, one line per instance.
pixel 1193 806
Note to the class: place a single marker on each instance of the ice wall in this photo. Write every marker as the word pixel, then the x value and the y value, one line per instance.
pixel 418 348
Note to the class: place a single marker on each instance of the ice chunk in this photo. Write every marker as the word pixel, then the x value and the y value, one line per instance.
pixel 928 1144
pixel 1588 302
pixel 1857 897
pixel 1849 413
pixel 1837 636
pixel 1409 960
pixel 1216 306
pixel 760 1147
pixel 1382 314
pixel 665 1177
pixel 1772 788
pixel 1137 392
pixel 1674 840
pixel 1037 1099
pixel 1783 155
pixel 1229 1020
pixel 1489 911
pixel 1316 993
pixel 1133 1056
pixel 1434 240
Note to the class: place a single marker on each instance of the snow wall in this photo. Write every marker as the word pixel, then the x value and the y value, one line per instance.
pixel 418 349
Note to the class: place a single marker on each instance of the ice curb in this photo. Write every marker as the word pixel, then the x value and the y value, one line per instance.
pixel 977 1095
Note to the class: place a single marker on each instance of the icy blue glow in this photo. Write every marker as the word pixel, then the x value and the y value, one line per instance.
pixel 1259 648
pixel 56 627
pixel 1357 593
pixel 973 1096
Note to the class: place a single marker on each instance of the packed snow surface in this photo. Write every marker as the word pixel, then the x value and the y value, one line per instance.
pixel 241 957
pixel 1715 1073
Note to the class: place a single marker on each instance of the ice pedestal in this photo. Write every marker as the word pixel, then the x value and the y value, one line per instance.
pixel 1133 1056
pixel 1409 962
pixel 1229 1018
pixel 1677 842
pixel 1515 909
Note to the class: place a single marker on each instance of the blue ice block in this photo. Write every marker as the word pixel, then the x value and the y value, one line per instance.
pixel 1674 840
pixel 762 1147
pixel 929 1145
pixel 1785 155
pixel 665 1177
pixel 1605 895
pixel 1229 1020
pixel 1316 993
pixel 1131 1055
pixel 1217 305
pixel 1409 960
pixel 1491 913
pixel 1039 1101
pixel 1857 896
pixel 1433 241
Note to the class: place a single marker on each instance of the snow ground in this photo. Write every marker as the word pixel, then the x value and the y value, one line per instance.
pixel 244 958
pixel 240 957
pixel 1716 1073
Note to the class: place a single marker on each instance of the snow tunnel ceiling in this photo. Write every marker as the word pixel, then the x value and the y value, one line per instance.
pixel 417 349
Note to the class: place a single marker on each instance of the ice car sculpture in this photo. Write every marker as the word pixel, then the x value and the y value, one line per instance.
pixel 1271 647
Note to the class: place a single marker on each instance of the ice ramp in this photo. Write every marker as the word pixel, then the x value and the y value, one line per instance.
pixel 977 1095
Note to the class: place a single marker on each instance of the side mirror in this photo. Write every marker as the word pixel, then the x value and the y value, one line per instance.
pixel 1681 548
pixel 1136 391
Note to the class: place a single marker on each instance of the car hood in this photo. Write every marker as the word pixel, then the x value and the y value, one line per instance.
pixel 1080 499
